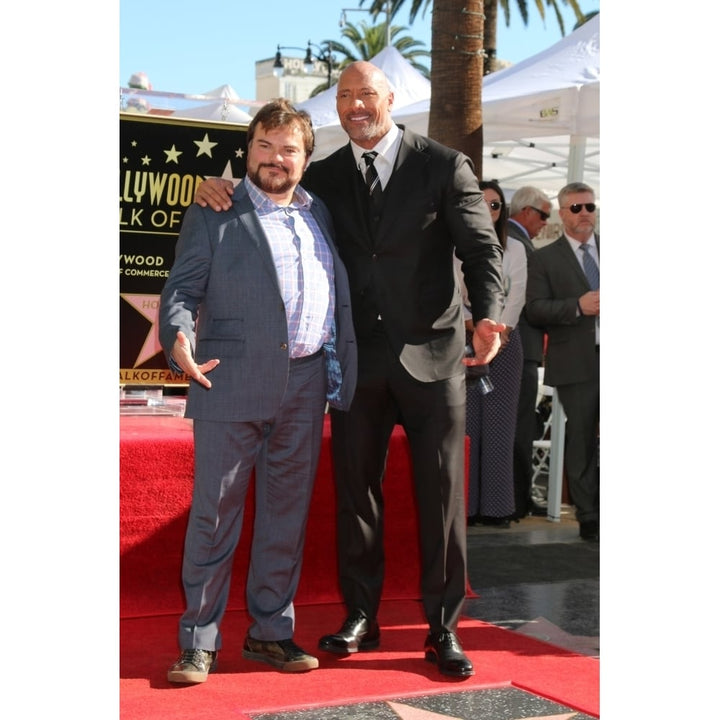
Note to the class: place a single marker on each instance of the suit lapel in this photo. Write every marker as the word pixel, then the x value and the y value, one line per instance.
pixel 250 230
pixel 406 173
pixel 568 255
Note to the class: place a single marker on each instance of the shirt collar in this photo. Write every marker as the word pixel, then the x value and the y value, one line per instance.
pixel 386 148
pixel 301 200
pixel 522 228
pixel 576 243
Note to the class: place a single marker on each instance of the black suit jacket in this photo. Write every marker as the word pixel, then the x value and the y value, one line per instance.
pixel 531 337
pixel 403 268
pixel 555 282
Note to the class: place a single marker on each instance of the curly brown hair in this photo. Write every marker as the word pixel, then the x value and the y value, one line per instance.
pixel 279 113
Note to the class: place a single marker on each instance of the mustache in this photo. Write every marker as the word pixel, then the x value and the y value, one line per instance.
pixel 273 165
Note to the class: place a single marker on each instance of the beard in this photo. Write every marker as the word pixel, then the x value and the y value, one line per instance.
pixel 373 130
pixel 271 184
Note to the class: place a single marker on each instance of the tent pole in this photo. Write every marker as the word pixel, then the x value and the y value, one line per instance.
pixel 576 158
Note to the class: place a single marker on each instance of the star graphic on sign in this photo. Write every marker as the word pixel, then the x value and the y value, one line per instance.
pixel 227 175
pixel 149 307
pixel 239 153
pixel 145 160
pixel 172 155
pixel 205 146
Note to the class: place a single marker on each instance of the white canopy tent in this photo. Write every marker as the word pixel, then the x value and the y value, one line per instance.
pixel 541 117
pixel 222 110
pixel 541 121
pixel 221 104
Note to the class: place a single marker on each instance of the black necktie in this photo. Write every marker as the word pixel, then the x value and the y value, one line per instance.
pixel 592 271
pixel 371 177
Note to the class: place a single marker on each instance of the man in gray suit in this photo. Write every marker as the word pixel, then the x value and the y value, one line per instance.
pixel 259 297
pixel 563 296
pixel 528 214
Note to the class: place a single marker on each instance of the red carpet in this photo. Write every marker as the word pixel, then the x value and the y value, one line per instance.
pixel 242 687
pixel 156 467
pixel 156 475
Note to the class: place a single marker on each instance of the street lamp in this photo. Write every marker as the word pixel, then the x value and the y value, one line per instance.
pixel 320 55
pixel 388 13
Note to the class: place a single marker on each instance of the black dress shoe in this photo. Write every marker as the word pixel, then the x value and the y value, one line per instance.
pixel 444 649
pixel 356 633
pixel 493 521
pixel 590 530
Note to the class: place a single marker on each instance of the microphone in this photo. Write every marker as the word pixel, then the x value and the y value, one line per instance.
pixel 479 374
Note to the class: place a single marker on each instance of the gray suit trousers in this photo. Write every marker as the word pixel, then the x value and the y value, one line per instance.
pixel 284 451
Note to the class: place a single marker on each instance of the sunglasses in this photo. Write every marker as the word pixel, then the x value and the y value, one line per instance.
pixel 577 207
pixel 495 205
pixel 543 215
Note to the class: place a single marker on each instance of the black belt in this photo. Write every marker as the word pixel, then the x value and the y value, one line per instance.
pixel 307 358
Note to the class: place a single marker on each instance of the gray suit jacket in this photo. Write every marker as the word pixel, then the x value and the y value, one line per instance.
pixel 555 282
pixel 531 337
pixel 223 293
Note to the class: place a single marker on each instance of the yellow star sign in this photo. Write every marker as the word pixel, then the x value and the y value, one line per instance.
pixel 205 146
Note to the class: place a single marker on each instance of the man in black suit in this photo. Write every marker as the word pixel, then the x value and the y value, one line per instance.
pixel 400 215
pixel 528 214
pixel 409 324
pixel 563 296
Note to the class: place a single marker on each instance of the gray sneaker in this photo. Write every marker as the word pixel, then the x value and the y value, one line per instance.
pixel 193 666
pixel 284 655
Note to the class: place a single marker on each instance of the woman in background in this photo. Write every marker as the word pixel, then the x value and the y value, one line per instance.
pixel 490 422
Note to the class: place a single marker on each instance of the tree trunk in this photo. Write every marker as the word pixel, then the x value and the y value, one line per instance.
pixel 490 36
pixel 456 77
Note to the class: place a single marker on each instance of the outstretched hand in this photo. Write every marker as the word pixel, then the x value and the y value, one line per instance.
pixel 214 192
pixel 182 355
pixel 486 342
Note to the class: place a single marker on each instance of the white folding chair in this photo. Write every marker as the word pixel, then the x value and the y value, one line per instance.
pixel 548 453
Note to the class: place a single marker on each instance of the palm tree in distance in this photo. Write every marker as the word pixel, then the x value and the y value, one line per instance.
pixel 366 41
pixel 490 10
pixel 459 42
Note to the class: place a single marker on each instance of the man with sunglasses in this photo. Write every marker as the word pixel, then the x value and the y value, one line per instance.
pixel 563 296
pixel 528 214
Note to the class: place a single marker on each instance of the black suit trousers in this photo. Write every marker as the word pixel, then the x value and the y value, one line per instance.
pixel 525 433
pixel 433 416
pixel 581 403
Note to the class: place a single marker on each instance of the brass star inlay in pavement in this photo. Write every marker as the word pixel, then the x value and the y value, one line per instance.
pixel 406 712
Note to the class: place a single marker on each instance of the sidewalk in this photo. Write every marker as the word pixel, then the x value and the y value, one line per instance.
pixel 537 577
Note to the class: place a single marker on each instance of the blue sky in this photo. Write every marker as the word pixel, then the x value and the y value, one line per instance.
pixel 184 47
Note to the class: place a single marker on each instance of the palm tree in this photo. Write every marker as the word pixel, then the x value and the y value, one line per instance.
pixel 366 41
pixel 458 42
pixel 490 8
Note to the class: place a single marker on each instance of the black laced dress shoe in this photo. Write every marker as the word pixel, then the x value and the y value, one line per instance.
pixel 444 649
pixel 357 633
